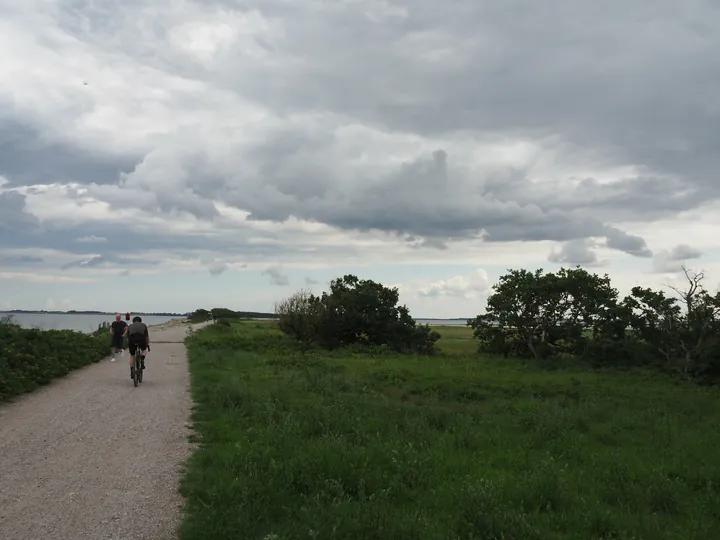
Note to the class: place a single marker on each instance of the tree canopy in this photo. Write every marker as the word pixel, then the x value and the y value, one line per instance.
pixel 354 312
pixel 575 313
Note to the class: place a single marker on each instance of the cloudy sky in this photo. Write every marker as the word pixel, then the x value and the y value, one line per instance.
pixel 173 154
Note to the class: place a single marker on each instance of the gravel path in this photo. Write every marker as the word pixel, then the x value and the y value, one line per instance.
pixel 92 457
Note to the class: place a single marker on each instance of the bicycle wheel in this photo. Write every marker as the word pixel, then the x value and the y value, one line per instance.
pixel 136 376
pixel 140 370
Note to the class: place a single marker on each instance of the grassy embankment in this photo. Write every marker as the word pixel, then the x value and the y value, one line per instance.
pixel 347 446
pixel 30 358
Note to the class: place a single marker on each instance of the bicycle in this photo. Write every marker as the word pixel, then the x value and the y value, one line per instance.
pixel 138 365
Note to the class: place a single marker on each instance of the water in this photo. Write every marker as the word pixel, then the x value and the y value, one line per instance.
pixel 443 322
pixel 73 321
pixel 89 322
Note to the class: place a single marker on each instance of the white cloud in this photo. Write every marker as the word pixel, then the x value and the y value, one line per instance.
pixel 92 240
pixel 472 285
pixel 43 278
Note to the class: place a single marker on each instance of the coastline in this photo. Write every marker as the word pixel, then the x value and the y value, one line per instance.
pixel 169 324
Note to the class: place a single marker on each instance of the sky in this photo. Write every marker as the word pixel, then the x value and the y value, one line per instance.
pixel 160 155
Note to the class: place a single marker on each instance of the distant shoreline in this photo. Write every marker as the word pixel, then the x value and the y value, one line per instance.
pixel 73 312
pixel 164 314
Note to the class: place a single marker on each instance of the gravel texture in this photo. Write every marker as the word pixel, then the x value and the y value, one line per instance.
pixel 92 457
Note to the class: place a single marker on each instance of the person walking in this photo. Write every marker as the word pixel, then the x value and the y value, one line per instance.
pixel 118 330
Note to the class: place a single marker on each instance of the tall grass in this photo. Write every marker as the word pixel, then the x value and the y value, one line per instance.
pixel 353 446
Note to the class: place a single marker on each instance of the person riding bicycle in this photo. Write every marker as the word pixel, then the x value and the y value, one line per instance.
pixel 139 341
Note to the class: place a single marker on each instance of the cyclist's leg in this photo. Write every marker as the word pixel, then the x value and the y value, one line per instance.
pixel 133 348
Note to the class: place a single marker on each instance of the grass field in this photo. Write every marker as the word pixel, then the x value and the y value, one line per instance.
pixel 346 446
pixel 456 340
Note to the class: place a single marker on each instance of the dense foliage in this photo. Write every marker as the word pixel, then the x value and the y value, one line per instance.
pixel 30 358
pixel 575 314
pixel 354 312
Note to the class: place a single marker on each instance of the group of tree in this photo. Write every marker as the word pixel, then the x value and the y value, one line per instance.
pixel 576 314
pixel 354 312
pixel 225 313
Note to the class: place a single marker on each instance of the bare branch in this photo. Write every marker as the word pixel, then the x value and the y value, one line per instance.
pixel 694 287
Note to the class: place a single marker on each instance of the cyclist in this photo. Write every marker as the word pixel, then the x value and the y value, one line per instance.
pixel 139 340
pixel 118 330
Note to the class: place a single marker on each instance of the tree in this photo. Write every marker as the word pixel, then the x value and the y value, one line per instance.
pixel 299 316
pixel 540 314
pixel 355 311
pixel 576 313
pixel 200 315
pixel 656 320
pixel 698 329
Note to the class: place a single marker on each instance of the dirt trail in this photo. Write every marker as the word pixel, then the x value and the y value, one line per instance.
pixel 92 457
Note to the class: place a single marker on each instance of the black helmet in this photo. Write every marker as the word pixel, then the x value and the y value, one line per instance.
pixel 137 319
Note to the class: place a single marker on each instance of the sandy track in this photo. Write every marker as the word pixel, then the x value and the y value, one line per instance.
pixel 92 457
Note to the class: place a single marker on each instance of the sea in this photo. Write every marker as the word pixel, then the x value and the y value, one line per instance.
pixel 74 321
pixel 444 322
pixel 90 322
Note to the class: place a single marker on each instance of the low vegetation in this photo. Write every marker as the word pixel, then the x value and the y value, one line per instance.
pixel 30 358
pixel 346 444
pixel 563 411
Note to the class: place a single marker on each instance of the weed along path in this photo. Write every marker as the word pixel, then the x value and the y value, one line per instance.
pixel 92 457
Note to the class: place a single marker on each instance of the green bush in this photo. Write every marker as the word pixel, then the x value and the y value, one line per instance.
pixel 30 358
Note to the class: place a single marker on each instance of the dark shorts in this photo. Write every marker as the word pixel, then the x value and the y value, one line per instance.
pixel 136 342
pixel 117 342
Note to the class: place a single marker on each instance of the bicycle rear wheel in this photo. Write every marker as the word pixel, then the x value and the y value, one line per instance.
pixel 136 371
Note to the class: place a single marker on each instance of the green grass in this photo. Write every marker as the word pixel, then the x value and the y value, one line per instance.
pixel 347 446
pixel 456 340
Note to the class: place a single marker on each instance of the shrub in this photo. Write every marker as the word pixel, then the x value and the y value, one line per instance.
pixel 354 312
pixel 299 316
pixel 30 358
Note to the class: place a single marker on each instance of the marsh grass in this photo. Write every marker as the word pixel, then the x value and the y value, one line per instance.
pixel 347 445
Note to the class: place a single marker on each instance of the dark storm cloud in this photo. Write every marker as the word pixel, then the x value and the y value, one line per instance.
pixel 683 252
pixel 14 219
pixel 277 276
pixel 621 85
pixel 575 252
pixel 633 199
pixel 99 261
pixel 27 158
pixel 634 245
pixel 217 268
pixel 638 83
pixel 425 199
pixel 671 261
pixel 20 260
